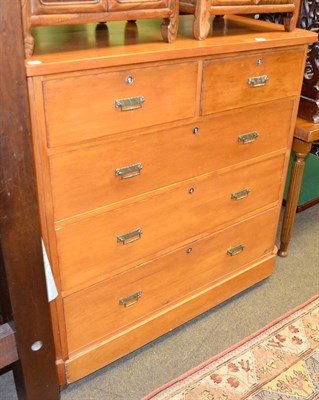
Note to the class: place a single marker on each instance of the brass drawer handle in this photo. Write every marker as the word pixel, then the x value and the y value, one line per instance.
pixel 234 251
pixel 241 194
pixel 131 299
pixel 248 138
pixel 130 104
pixel 130 237
pixel 258 81
pixel 129 172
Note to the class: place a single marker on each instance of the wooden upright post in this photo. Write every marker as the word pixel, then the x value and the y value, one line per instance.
pixel 35 372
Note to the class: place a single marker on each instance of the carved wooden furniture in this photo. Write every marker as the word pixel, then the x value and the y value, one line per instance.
pixel 61 12
pixel 156 171
pixel 305 134
pixel 309 101
pixel 204 9
pixel 24 304
pixel 308 19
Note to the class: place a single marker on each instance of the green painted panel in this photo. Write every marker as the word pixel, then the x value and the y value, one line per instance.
pixel 310 182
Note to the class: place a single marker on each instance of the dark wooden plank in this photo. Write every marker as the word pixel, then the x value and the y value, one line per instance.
pixel 8 347
pixel 19 221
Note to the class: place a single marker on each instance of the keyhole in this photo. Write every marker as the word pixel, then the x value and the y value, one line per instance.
pixel 129 80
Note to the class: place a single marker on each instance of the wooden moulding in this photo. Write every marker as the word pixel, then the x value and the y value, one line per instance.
pixel 203 9
pixel 38 13
pixel 305 206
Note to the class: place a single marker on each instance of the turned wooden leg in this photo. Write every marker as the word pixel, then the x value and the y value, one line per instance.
pixel 201 19
pixel 290 22
pixel 28 38
pixel 130 32
pixel 301 150
pixel 290 19
pixel 169 26
pixel 28 45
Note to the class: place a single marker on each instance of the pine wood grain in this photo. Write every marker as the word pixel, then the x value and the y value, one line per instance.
pixel 95 312
pixel 92 98
pixel 84 179
pixel 91 359
pixel 231 76
pixel 197 214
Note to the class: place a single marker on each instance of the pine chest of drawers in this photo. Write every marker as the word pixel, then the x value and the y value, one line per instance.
pixel 161 169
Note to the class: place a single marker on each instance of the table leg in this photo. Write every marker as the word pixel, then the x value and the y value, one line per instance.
pixel 301 150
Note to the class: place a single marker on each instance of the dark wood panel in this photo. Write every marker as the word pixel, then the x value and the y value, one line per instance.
pixel 5 306
pixel 19 221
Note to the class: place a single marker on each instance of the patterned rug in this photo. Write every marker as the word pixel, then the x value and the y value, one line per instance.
pixel 279 362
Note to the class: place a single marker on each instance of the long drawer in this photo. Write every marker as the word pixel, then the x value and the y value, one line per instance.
pixel 245 80
pixel 101 104
pixel 95 176
pixel 113 304
pixel 106 243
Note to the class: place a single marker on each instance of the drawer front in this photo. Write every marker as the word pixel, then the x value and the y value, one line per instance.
pixel 67 6
pixel 107 103
pixel 93 177
pixel 106 244
pixel 240 81
pixel 125 5
pixel 113 304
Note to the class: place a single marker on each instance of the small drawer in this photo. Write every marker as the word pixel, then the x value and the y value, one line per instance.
pixel 102 104
pixel 113 304
pixel 64 7
pixel 241 81
pixel 95 176
pixel 92 247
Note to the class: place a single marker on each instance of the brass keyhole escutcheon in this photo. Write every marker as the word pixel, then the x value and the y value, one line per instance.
pixel 129 80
